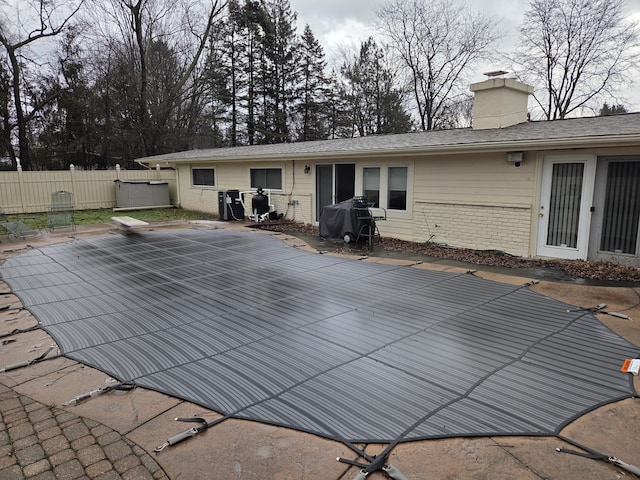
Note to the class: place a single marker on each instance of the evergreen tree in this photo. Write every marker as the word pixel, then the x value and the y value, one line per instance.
pixel 313 90
pixel 376 105
pixel 280 73
pixel 257 24
pixel 612 109
pixel 67 132
pixel 236 47
pixel 218 86
pixel 339 104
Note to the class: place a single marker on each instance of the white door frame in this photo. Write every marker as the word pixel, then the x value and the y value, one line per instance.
pixel 584 222
pixel 335 179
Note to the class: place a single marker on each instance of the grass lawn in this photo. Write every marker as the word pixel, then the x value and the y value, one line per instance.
pixel 89 217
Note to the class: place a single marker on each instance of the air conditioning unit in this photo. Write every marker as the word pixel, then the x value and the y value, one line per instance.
pixel 229 205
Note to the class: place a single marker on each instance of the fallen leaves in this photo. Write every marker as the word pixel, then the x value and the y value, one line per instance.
pixel 595 270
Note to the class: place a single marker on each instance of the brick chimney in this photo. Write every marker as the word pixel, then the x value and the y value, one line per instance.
pixel 499 102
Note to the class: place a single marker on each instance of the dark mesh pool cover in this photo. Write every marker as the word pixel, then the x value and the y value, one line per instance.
pixel 245 325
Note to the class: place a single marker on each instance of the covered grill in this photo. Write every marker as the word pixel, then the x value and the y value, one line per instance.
pixel 351 220
pixel 339 221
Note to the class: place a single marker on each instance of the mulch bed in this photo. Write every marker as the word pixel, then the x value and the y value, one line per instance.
pixel 595 270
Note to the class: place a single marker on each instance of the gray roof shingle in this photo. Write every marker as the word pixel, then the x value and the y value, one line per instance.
pixel 615 129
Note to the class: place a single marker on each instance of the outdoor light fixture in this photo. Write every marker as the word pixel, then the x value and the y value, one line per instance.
pixel 307 169
pixel 516 158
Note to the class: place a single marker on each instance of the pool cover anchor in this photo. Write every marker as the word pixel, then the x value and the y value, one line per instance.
pixel 124 387
pixel 389 470
pixel 594 455
pixel 26 363
pixel 600 309
pixel 171 441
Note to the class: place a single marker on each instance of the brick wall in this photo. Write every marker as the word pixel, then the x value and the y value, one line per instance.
pixel 481 227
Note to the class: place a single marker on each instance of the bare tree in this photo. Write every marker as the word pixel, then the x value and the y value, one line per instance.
pixel 437 43
pixel 163 41
pixel 21 26
pixel 574 52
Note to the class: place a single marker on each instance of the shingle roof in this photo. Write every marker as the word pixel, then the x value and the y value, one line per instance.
pixel 615 129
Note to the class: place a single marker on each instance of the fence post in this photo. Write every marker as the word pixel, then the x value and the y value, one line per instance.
pixel 74 189
pixel 23 194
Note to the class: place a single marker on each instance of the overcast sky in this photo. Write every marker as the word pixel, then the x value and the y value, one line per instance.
pixel 337 23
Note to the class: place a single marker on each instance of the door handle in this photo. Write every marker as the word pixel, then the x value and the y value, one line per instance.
pixel 541 215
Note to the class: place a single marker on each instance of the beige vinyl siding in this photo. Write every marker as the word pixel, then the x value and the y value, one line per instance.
pixel 478 201
pixel 475 180
pixel 236 176
pixel 199 198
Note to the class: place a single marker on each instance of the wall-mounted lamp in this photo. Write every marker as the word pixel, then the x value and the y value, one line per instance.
pixel 307 169
pixel 516 158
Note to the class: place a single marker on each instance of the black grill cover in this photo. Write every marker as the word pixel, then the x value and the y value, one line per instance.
pixel 339 219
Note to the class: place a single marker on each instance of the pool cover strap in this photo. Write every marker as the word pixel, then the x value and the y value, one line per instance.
pixel 16 331
pixel 26 363
pixel 592 454
pixel 377 463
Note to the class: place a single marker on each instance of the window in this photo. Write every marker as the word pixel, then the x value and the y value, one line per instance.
pixel 270 178
pixel 203 177
pixel 371 185
pixel 397 198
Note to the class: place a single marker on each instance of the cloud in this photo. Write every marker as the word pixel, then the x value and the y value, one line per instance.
pixel 345 24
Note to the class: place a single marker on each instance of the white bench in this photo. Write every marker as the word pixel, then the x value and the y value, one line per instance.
pixel 127 223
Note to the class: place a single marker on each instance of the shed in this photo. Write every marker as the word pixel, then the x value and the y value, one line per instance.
pixel 134 194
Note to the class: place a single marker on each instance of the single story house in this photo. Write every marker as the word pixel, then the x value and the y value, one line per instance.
pixel 565 188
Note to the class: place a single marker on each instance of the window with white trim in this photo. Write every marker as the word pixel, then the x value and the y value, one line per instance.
pixel 269 178
pixel 397 188
pixel 203 177
pixel 371 185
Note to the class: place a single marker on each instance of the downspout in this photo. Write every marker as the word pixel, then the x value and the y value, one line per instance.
pixel 148 166
pixel 178 202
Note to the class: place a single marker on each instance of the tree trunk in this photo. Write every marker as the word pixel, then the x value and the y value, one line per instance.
pixel 23 140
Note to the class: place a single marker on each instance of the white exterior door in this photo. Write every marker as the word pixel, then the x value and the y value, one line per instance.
pixel 565 206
